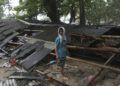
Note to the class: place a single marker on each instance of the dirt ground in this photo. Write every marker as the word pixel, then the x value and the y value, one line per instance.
pixel 78 74
pixel 5 72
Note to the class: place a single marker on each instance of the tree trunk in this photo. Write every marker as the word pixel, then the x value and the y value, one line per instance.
pixel 82 12
pixel 52 10
pixel 72 14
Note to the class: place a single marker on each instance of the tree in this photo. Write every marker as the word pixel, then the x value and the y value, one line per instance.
pixel 52 10
pixel 82 12
pixel 93 11
pixel 113 11
pixel 69 7
pixel 30 9
pixel 2 3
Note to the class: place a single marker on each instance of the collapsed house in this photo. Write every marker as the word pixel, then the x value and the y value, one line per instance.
pixel 88 45
pixel 13 44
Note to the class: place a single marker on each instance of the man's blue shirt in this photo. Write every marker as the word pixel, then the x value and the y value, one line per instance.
pixel 61 47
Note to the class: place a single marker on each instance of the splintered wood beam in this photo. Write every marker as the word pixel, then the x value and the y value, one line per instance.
pixel 5 41
pixel 92 63
pixel 96 64
pixel 99 37
pixel 102 71
pixel 99 49
pixel 85 36
pixel 110 36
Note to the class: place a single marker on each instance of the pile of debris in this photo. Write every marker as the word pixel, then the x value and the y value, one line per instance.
pixel 21 52
pixel 26 61
pixel 103 49
pixel 18 52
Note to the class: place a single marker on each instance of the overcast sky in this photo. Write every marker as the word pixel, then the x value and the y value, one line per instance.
pixel 14 3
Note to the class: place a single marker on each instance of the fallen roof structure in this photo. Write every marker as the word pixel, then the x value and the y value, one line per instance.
pixel 93 41
pixel 46 29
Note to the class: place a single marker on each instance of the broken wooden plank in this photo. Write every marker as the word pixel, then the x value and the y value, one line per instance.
pixel 36 57
pixel 91 63
pixel 27 51
pixel 44 25
pixel 97 38
pixel 5 28
pixel 8 32
pixel 35 52
pixel 15 43
pixel 85 36
pixel 3 31
pixel 2 37
pixel 2 25
pixel 98 49
pixel 25 46
pixel 25 75
pixel 8 39
pixel 21 48
pixel 101 71
pixel 110 36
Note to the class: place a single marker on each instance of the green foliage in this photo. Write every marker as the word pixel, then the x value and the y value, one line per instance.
pixel 113 10
pixel 96 11
pixel 29 8
pixel 2 3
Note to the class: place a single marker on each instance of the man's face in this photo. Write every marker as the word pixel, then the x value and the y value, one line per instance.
pixel 61 32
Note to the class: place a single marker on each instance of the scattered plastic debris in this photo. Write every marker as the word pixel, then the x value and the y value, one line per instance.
pixel 6 64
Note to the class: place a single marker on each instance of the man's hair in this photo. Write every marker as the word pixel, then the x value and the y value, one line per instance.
pixel 61 29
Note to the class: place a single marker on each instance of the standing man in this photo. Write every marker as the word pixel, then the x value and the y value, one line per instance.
pixel 61 50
